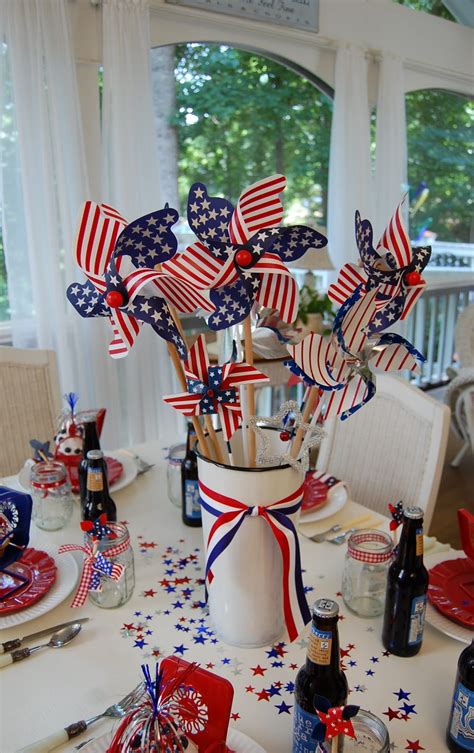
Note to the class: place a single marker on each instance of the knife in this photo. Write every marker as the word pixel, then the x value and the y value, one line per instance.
pixel 16 642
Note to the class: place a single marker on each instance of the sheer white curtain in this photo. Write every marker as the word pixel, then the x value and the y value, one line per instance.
pixel 44 182
pixel 350 182
pixel 130 172
pixel 391 151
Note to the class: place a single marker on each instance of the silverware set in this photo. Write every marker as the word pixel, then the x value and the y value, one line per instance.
pixel 142 465
pixel 363 522
pixel 115 711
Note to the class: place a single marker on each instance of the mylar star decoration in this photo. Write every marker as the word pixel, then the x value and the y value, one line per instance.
pixel 333 720
pixel 343 364
pixel 313 436
pixel 240 254
pixel 393 268
pixel 214 389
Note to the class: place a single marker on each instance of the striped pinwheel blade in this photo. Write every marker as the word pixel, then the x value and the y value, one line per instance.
pixel 349 278
pixel 197 363
pixel 313 356
pixel 258 207
pixel 99 227
pixel 126 329
pixel 395 241
pixel 352 321
pixel 278 289
pixel 394 353
pixel 346 401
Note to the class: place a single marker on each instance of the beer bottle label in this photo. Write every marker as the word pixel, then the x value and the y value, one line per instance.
pixel 304 724
pixel 319 647
pixel 462 717
pixel 419 542
pixel 417 620
pixel 95 482
pixel 191 499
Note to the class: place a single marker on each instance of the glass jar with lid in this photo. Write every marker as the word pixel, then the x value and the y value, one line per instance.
pixel 368 557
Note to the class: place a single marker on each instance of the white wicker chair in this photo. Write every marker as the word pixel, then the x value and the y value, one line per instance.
pixel 392 449
pixel 464 337
pixel 29 403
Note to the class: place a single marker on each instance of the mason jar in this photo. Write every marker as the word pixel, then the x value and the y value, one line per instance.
pixel 114 593
pixel 364 578
pixel 51 494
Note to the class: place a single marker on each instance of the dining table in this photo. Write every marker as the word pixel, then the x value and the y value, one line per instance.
pixel 167 615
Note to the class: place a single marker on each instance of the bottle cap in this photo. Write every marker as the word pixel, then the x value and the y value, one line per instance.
pixel 325 608
pixel 95 455
pixel 413 513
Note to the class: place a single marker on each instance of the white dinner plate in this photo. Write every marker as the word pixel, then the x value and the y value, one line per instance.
pixel 338 497
pixel 435 618
pixel 66 578
pixel 236 740
pixel 127 476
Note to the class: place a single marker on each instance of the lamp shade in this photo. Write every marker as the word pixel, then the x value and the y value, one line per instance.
pixel 314 258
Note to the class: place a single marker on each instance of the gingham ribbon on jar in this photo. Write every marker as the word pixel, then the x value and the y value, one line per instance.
pixel 369 557
pixel 96 565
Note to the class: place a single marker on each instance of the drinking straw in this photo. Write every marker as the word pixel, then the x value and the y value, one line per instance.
pixel 242 393
pixel 249 392
pixel 310 406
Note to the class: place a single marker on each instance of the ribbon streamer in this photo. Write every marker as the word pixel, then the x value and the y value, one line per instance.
pixel 230 514
pixel 95 566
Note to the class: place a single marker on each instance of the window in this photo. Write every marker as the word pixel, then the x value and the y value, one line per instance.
pixel 235 116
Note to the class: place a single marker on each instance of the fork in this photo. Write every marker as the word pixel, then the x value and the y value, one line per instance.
pixel 142 465
pixel 319 537
pixel 342 537
pixel 116 711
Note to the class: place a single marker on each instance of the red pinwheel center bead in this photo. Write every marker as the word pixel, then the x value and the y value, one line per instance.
pixel 284 436
pixel 244 257
pixel 413 278
pixel 114 299
pixel 210 393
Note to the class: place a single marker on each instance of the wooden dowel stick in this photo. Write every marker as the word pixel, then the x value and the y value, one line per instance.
pixel 214 440
pixel 334 744
pixel 250 390
pixel 178 367
pixel 309 407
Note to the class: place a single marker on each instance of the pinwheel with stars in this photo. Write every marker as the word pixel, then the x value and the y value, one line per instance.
pixel 240 254
pixel 343 364
pixel 393 268
pixel 139 295
pixel 214 389
pixel 332 721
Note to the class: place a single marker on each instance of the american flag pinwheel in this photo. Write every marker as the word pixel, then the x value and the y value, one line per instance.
pixel 214 389
pixel 342 364
pixel 240 254
pixel 393 268
pixel 140 295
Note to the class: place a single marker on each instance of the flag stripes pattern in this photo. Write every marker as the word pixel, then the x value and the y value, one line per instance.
pixel 257 208
pixel 395 239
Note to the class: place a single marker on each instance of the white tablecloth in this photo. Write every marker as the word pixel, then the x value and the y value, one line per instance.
pixel 57 687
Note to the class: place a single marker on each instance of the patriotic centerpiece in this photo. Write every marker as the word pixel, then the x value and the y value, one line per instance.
pixel 235 268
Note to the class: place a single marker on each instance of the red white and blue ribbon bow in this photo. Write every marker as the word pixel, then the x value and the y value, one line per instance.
pixel 393 268
pixel 343 364
pixel 241 255
pixel 129 296
pixel 230 514
pixel 96 565
pixel 214 389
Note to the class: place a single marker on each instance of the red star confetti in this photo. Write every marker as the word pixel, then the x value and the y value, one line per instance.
pixel 392 714
pixel 258 670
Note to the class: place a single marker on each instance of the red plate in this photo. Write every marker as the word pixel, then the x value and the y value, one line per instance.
pixel 451 590
pixel 40 569
pixel 114 471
